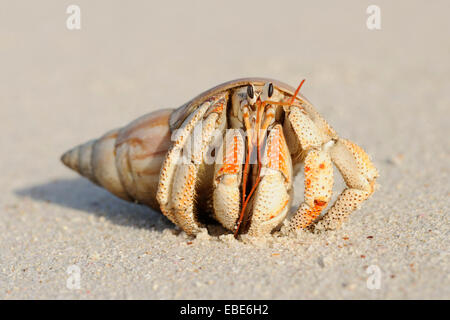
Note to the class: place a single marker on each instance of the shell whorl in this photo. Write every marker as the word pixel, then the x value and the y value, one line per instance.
pixel 126 161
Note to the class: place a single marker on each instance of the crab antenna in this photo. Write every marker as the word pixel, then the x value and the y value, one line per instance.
pixel 245 199
pixel 297 91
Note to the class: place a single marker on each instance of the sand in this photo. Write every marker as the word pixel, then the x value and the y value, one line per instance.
pixel 387 90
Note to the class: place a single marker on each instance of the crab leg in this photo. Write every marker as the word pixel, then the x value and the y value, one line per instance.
pixel 271 201
pixel 318 169
pixel 253 139
pixel 249 151
pixel 227 179
pixel 260 132
pixel 359 174
pixel 318 188
pixel 176 189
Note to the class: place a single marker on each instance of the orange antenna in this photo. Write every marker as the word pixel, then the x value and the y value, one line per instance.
pixel 297 91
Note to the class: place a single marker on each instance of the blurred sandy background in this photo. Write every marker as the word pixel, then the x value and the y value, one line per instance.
pixel 387 90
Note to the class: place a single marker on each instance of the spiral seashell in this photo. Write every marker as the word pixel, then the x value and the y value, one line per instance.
pixel 126 161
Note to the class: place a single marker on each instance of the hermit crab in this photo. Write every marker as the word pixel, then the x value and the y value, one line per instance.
pixel 231 154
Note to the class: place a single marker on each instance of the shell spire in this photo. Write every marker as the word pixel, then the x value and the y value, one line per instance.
pixel 126 161
pixel 79 160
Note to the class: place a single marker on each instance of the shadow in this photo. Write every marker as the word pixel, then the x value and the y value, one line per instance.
pixel 80 194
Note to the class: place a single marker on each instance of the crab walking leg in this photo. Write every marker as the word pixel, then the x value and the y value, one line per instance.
pixel 172 159
pixel 186 176
pixel 306 131
pixel 272 197
pixel 359 174
pixel 318 188
pixel 227 179
pixel 318 169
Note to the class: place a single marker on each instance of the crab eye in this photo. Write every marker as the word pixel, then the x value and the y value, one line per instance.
pixel 250 92
pixel 270 91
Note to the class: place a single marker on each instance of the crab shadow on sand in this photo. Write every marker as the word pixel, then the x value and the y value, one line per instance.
pixel 82 195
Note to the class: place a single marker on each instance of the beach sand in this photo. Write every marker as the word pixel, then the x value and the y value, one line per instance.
pixel 387 90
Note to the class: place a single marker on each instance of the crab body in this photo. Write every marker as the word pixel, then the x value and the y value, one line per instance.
pixel 231 153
